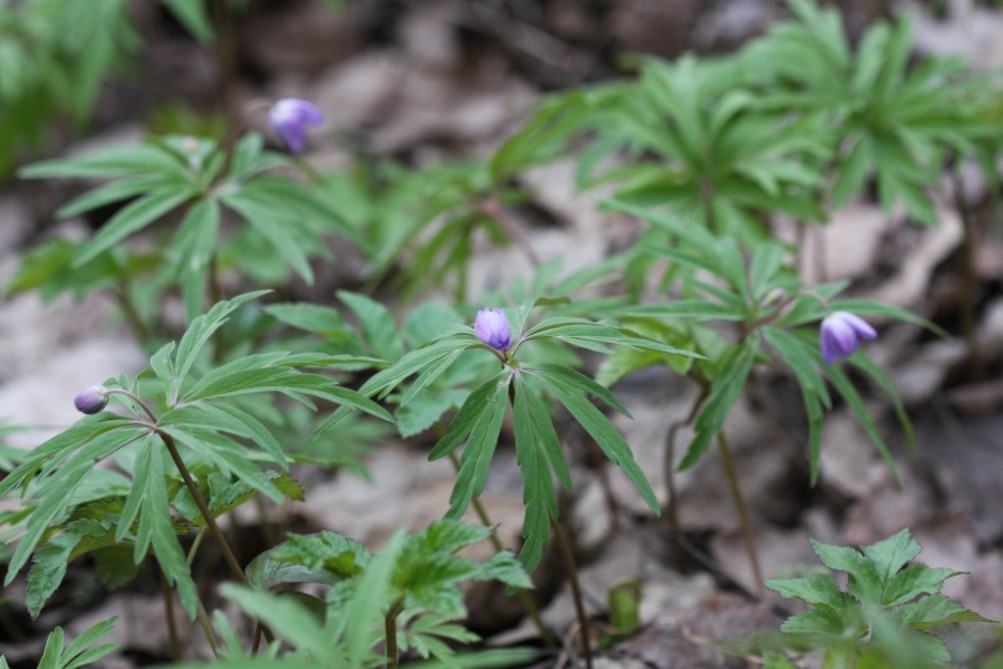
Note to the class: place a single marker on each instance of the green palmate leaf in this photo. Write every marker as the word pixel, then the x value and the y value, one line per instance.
pixel 51 561
pixel 54 451
pixel 934 611
pixel 264 573
pixel 429 375
pixel 613 445
pixel 55 495
pixel 80 652
pixel 427 408
pixel 414 362
pixel 580 383
pixel 800 355
pixel 725 390
pixel 312 318
pixel 148 500
pixel 506 568
pixel 114 566
pixel 475 405
pixel 133 217
pixel 225 455
pixel 290 239
pixel 915 580
pixel 819 590
pixel 864 582
pixel 112 162
pixel 538 452
pixel 194 246
pixel 891 554
pixel 481 441
pixel 815 621
pixel 444 536
pixel 379 330
pixel 339 556
pixel 199 333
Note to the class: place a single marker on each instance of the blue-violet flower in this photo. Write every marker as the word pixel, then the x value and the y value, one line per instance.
pixel 840 335
pixel 91 400
pixel 290 117
pixel 492 328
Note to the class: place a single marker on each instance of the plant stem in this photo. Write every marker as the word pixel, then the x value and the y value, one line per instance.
pixel 210 520
pixel 172 627
pixel 203 617
pixel 564 544
pixel 743 512
pixel 669 466
pixel 390 629
pixel 528 606
pixel 131 314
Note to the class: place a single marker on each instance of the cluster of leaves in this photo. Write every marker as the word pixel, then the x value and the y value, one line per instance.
pixel 53 57
pixel 756 289
pixel 203 182
pixel 418 579
pixel 72 508
pixel 884 616
pixel 81 651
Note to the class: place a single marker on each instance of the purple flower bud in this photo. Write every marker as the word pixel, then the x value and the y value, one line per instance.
pixel 91 400
pixel 290 117
pixel 492 328
pixel 840 335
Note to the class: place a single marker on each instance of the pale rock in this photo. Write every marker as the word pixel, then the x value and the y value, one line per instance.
pixel 846 247
pixel 910 284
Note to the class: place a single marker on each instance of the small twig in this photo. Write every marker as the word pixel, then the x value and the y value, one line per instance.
pixel 743 512
pixel 567 552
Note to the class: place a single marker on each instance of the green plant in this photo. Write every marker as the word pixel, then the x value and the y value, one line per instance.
pixel 884 616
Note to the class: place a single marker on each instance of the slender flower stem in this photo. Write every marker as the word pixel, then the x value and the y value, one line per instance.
pixel 390 629
pixel 669 470
pixel 172 627
pixel 528 606
pixel 564 544
pixel 231 561
pixel 203 618
pixel 743 512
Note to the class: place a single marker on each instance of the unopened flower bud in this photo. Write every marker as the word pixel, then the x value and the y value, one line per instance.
pixel 290 117
pixel 91 400
pixel 840 335
pixel 492 328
